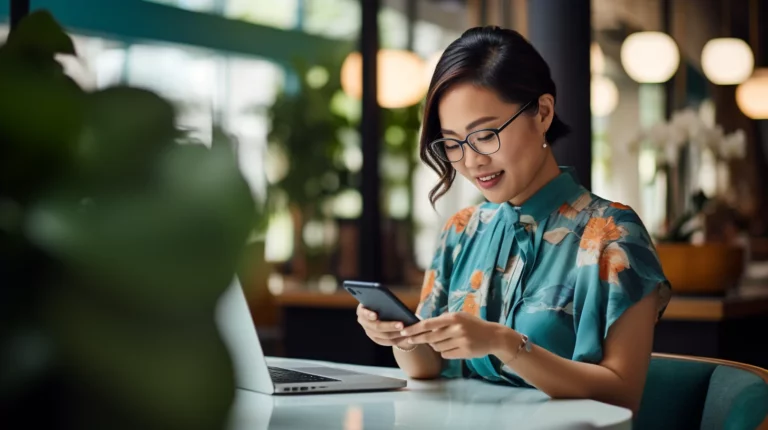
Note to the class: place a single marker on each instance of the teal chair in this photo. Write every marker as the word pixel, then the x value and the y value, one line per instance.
pixel 683 392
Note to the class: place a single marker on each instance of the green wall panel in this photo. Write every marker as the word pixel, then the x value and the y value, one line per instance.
pixel 138 20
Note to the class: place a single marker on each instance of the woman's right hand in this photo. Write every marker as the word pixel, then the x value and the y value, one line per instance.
pixel 384 333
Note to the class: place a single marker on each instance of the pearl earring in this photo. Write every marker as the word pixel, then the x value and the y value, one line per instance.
pixel 545 145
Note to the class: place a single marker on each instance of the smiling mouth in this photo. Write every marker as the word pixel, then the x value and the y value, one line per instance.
pixel 490 177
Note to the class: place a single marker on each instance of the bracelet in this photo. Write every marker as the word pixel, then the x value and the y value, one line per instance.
pixel 405 350
pixel 525 344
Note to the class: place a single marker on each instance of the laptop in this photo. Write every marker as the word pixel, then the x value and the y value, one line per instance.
pixel 253 371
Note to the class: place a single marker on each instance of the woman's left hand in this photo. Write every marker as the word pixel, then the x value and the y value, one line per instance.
pixel 456 335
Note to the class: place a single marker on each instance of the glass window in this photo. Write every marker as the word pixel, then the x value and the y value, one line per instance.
pixel 205 86
pixel 188 77
pixel 210 88
pixel 336 19
pixel 282 14
pixel 430 38
pixel 393 27
pixel 250 83
pixel 201 5
pixel 196 5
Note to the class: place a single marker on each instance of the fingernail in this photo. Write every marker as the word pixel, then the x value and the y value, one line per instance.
pixel 410 340
pixel 399 326
pixel 403 333
pixel 372 316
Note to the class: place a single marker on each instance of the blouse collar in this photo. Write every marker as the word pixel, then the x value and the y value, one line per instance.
pixel 563 188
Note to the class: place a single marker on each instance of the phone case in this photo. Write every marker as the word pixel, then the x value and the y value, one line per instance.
pixel 380 300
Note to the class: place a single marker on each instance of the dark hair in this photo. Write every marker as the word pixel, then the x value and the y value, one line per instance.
pixel 491 57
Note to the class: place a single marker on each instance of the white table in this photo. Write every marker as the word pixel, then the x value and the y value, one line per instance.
pixel 439 404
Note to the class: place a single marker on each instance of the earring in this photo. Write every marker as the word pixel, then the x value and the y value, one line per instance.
pixel 544 145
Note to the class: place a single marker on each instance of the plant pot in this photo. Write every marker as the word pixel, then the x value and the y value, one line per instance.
pixel 708 269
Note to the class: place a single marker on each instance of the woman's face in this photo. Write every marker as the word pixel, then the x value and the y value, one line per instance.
pixel 508 172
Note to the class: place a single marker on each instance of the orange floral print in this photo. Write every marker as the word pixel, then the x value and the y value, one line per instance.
pixel 612 261
pixel 460 220
pixel 476 280
pixel 598 232
pixel 620 206
pixel 429 284
pixel 568 211
pixel 470 305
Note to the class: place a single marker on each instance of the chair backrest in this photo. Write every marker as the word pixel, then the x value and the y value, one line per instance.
pixel 683 392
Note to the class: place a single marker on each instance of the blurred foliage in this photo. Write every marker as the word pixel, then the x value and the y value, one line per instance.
pixel 315 138
pixel 117 237
pixel 307 134
pixel 401 128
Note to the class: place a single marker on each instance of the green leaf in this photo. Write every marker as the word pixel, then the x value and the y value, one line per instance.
pixel 38 34
pixel 41 116
pixel 137 369
pixel 126 128
pixel 167 244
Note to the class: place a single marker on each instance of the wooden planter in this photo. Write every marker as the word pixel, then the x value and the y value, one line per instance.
pixel 709 269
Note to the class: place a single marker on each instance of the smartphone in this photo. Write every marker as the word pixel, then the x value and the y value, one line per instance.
pixel 379 299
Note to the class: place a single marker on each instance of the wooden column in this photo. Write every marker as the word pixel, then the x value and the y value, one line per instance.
pixel 519 18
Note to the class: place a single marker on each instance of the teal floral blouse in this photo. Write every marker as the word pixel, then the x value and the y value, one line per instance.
pixel 562 268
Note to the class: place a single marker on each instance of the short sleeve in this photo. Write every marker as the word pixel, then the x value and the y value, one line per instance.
pixel 617 267
pixel 434 290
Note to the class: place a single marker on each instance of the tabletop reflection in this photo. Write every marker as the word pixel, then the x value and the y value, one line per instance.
pixel 455 404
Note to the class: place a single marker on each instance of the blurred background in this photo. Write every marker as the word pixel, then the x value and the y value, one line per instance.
pixel 322 98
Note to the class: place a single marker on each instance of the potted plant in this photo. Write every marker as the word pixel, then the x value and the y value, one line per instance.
pixel 680 145
pixel 314 162
pixel 117 235
pixel 311 132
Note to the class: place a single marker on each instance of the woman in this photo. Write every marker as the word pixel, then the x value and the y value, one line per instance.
pixel 544 285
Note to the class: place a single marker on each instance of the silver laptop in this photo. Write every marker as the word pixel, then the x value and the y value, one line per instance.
pixel 253 372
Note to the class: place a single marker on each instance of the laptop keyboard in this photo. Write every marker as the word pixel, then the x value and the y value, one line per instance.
pixel 286 376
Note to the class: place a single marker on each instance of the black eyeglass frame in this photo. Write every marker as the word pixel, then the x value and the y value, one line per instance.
pixel 461 143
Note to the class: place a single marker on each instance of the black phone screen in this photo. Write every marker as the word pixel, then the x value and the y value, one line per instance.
pixel 380 299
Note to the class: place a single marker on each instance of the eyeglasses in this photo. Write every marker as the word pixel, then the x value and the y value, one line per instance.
pixel 485 141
